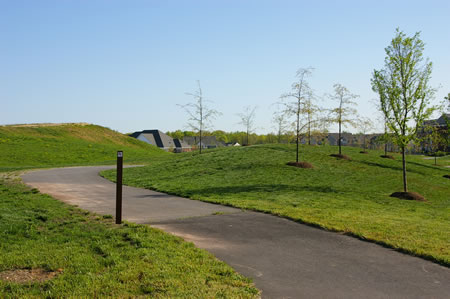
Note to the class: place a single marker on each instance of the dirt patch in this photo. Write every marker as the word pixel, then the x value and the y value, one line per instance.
pixel 446 176
pixel 28 275
pixel 340 156
pixel 300 164
pixel 363 152
pixel 387 157
pixel 408 196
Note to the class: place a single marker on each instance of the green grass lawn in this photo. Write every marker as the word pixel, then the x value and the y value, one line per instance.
pixel 68 145
pixel 93 257
pixel 346 196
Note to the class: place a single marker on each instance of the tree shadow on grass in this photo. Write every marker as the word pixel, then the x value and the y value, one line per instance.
pixel 397 168
pixel 434 167
pixel 266 188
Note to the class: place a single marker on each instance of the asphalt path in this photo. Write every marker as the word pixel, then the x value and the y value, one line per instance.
pixel 285 259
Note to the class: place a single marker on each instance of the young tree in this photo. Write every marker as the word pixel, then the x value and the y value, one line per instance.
pixel 436 140
pixel 301 92
pixel 342 115
pixel 403 87
pixel 248 120
pixel 200 115
pixel 365 125
pixel 310 110
pixel 281 123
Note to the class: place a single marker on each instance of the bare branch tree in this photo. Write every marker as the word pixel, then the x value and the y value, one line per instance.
pixel 248 119
pixel 301 92
pixel 344 112
pixel 281 123
pixel 365 125
pixel 200 115
pixel 310 110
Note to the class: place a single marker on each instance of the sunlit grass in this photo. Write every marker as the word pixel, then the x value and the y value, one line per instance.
pixel 348 196
pixel 67 145
pixel 96 258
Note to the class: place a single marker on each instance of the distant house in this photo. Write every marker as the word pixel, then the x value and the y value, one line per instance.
pixel 442 127
pixel 161 140
pixel 181 146
pixel 346 139
pixel 315 140
pixel 207 141
pixel 441 122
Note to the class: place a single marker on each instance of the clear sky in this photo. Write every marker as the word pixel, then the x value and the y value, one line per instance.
pixel 126 64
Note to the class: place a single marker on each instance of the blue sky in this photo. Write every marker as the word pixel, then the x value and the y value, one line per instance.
pixel 127 64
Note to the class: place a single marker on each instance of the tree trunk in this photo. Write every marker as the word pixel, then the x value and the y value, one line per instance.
pixel 405 185
pixel 298 133
pixel 200 141
pixel 309 132
pixel 385 149
pixel 339 140
pixel 435 162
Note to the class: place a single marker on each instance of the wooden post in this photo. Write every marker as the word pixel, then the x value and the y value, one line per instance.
pixel 119 187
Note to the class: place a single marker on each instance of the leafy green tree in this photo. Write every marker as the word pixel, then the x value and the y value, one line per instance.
pixel 178 134
pixel 344 114
pixel 404 91
pixel 220 135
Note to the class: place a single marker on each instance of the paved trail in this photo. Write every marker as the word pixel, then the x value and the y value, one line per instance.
pixel 284 258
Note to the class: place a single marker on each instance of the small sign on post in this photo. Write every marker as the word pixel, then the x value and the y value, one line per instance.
pixel 119 187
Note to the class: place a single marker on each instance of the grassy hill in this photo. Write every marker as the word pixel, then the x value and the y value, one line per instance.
pixel 51 249
pixel 32 146
pixel 346 196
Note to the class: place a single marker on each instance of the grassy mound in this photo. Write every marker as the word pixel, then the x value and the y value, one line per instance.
pixel 340 156
pixel 50 249
pixel 300 164
pixel 388 157
pixel 66 145
pixel 348 196
pixel 408 196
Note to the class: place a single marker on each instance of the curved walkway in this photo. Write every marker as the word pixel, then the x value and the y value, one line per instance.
pixel 284 258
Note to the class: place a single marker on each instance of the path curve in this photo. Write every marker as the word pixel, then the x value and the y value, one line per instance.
pixel 284 258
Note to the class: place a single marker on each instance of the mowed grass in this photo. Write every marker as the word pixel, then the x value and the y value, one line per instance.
pixel 89 255
pixel 93 257
pixel 340 195
pixel 68 145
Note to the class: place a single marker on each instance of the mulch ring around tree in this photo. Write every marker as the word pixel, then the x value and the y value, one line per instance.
pixel 300 164
pixel 446 176
pixel 408 196
pixel 387 157
pixel 340 156
pixel 363 152
pixel 28 275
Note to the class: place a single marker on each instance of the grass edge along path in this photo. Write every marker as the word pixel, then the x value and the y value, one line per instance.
pixel 91 256
pixel 354 199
